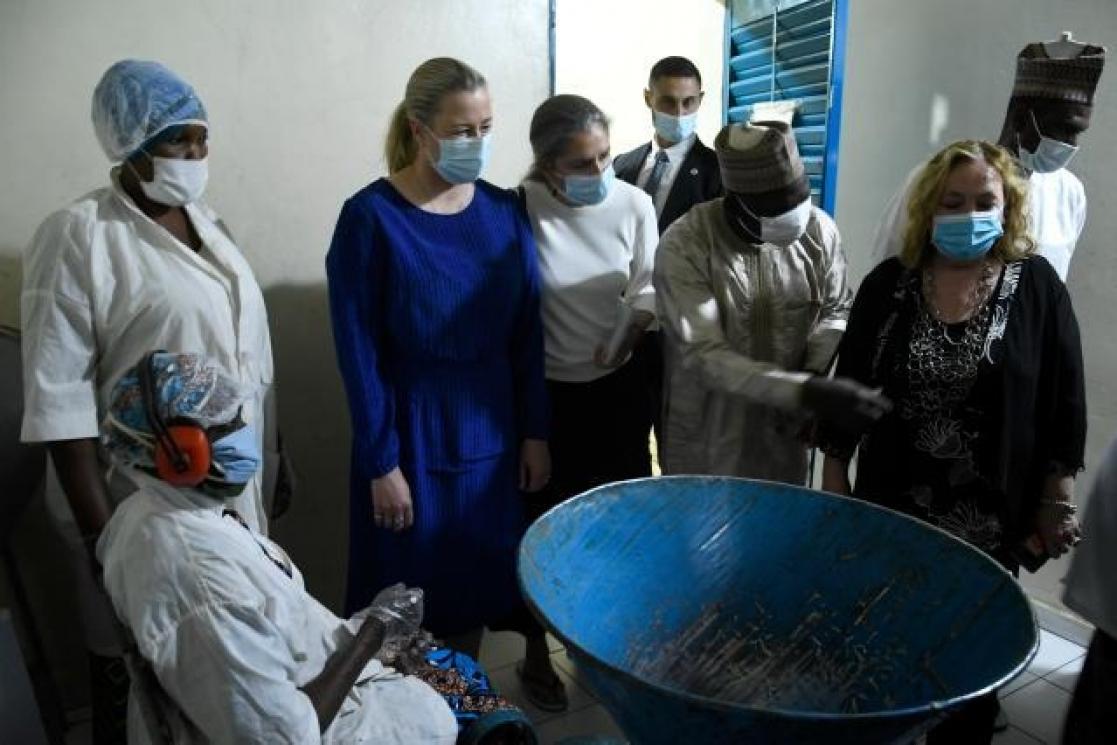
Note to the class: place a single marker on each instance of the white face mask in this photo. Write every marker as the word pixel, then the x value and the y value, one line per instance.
pixel 177 181
pixel 785 229
pixel 1050 154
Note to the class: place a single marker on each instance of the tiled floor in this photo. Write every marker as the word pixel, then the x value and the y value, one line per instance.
pixel 1035 702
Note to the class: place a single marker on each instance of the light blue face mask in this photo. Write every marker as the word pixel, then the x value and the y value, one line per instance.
pixel 967 237
pixel 1050 154
pixel 587 190
pixel 237 455
pixel 674 129
pixel 462 159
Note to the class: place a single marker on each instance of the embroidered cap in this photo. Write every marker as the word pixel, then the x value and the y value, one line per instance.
pixel 1071 79
pixel 758 157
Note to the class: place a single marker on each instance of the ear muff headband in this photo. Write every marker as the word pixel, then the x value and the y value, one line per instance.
pixel 182 451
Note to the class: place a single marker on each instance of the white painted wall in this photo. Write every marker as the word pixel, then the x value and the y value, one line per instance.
pixel 299 94
pixel 920 75
pixel 605 48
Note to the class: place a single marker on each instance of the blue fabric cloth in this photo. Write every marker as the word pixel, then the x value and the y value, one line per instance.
pixel 479 708
pixel 439 341
pixel 135 101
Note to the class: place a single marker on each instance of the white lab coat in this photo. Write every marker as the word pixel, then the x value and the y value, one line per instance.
pixel 232 638
pixel 1091 590
pixel 103 285
pixel 1058 214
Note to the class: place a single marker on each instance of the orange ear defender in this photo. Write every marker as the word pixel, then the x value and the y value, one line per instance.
pixel 182 451
pixel 193 447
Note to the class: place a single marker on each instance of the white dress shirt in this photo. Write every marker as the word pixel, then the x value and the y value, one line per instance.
pixel 103 285
pixel 1058 214
pixel 232 638
pixel 676 154
pixel 590 257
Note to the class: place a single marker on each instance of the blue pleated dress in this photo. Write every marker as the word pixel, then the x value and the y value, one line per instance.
pixel 439 341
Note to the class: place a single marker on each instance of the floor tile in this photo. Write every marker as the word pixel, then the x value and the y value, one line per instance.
pixel 508 684
pixel 563 661
pixel 1054 652
pixel 1017 683
pixel 1038 709
pixel 593 720
pixel 1014 736
pixel 1067 675
pixel 500 649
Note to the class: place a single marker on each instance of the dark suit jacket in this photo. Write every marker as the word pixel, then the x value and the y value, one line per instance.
pixel 699 179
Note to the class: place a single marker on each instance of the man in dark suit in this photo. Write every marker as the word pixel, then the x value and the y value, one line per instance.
pixel 677 171
pixel 675 168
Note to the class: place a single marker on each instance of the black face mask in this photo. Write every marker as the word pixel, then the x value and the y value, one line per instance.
pixel 746 227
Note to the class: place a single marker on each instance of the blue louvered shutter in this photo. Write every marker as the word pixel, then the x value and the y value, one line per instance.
pixel 793 54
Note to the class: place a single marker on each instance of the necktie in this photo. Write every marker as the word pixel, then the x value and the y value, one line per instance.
pixel 656 175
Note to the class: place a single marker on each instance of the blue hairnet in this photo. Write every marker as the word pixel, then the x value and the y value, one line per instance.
pixel 135 101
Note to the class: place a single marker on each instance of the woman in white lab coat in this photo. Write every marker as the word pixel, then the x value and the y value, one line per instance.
pixel 139 264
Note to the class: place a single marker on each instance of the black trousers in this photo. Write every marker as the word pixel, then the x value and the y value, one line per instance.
pixel 649 360
pixel 599 434
pixel 1092 718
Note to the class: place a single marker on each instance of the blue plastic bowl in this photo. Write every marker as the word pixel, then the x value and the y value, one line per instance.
pixel 708 609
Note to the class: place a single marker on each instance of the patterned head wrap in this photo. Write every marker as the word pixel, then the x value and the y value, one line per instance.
pixel 186 388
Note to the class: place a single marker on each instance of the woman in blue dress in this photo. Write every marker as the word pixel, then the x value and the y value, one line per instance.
pixel 434 298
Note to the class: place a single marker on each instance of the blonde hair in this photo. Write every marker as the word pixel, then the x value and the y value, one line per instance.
pixel 421 99
pixel 1016 243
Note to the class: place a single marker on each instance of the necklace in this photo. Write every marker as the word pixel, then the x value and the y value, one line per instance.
pixel 977 296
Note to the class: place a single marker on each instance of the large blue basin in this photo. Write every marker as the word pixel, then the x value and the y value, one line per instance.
pixel 720 610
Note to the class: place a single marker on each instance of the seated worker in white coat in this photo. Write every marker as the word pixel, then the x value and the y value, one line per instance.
pixel 220 612
pixel 141 263
pixel 753 298
pixel 1050 109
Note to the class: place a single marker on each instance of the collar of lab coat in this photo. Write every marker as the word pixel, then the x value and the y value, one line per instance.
pixel 204 220
pixel 183 498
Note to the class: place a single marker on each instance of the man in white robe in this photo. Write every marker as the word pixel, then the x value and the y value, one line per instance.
pixel 753 298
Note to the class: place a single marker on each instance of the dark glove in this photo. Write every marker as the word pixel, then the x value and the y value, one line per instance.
pixel 843 404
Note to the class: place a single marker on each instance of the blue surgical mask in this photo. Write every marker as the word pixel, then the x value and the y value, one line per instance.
pixel 462 159
pixel 967 237
pixel 237 455
pixel 1050 154
pixel 587 190
pixel 674 128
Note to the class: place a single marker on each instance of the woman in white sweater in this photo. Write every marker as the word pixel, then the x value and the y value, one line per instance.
pixel 596 237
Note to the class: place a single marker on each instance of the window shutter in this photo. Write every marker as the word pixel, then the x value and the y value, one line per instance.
pixel 793 54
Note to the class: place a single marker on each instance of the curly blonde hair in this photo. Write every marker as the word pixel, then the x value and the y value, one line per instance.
pixel 1016 243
